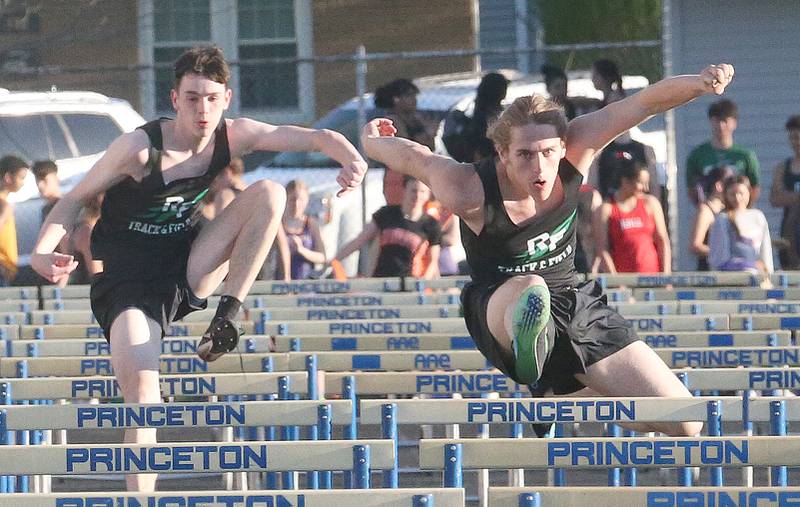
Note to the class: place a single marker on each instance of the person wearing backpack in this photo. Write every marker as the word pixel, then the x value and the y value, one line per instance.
pixel 466 140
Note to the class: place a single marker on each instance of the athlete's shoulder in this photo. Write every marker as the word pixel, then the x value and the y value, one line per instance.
pixel 131 147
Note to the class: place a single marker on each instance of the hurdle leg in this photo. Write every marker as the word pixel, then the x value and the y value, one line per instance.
pixel 483 473
pixel 777 410
pixel 516 477
pixel 715 430
pixel 747 472
pixel 614 477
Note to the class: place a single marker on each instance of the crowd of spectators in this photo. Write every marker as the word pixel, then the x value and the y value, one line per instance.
pixel 621 217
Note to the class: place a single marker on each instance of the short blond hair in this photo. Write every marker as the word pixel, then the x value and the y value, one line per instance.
pixel 524 111
pixel 297 186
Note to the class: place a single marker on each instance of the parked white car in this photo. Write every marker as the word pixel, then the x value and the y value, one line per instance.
pixel 72 128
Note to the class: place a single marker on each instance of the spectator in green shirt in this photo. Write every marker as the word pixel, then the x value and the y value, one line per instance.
pixel 721 151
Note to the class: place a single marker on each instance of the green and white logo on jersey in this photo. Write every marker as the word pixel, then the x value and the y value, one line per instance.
pixel 174 207
pixel 546 242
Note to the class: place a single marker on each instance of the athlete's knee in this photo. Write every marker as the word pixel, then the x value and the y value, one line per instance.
pixel 526 281
pixel 270 194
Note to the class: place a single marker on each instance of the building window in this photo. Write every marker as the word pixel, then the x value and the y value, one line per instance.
pixel 177 25
pixel 266 30
pixel 250 32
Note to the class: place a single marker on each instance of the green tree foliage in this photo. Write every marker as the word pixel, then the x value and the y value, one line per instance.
pixel 588 21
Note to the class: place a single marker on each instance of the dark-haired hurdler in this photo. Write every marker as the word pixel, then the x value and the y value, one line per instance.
pixel 525 309
pixel 157 266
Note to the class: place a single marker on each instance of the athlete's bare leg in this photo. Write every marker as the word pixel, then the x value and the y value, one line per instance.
pixel 636 370
pixel 237 241
pixel 633 371
pixel 235 244
pixel 135 350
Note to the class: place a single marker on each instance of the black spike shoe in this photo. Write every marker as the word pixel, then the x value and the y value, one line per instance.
pixel 222 336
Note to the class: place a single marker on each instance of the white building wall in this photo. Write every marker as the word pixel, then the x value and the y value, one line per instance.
pixel 760 38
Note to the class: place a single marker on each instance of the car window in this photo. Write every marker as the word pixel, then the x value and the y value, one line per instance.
pixel 92 132
pixel 58 143
pixel 24 136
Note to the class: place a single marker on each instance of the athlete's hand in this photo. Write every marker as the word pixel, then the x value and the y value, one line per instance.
pixel 54 267
pixel 717 77
pixel 351 175
pixel 379 127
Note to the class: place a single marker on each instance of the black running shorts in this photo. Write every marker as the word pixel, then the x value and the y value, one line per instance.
pixel 163 300
pixel 586 330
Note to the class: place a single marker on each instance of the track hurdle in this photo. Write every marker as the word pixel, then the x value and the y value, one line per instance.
pixel 457 326
pixel 486 381
pixel 318 414
pixel 358 456
pixel 575 453
pixel 742 306
pixel 641 497
pixel 563 410
pixel 183 414
pixel 345 361
pixel 418 497
pixel 262 343
pixel 105 387
pixel 680 279
pixel 715 294
pixel 47 317
pixel 748 322
pixel 88 331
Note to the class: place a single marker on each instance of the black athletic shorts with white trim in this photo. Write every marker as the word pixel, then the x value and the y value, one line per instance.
pixel 586 330
pixel 159 289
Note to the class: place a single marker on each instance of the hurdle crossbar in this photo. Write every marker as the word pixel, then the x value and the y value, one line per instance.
pixel 47 317
pixel 429 360
pixel 95 331
pixel 506 453
pixel 173 385
pixel 733 307
pixel 680 279
pixel 641 496
pixel 192 457
pixel 356 313
pixel 172 415
pixel 264 343
pixel 259 362
pixel 487 381
pixel 715 294
pixel 405 497
pixel 357 327
pixel 570 410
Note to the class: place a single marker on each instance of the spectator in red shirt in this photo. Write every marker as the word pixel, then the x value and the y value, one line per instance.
pixel 630 227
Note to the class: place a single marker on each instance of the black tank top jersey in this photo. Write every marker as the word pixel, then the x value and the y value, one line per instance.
pixel 148 225
pixel 544 245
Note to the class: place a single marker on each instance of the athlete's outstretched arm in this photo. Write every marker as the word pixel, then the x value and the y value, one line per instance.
pixel 457 186
pixel 588 134
pixel 126 156
pixel 249 135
